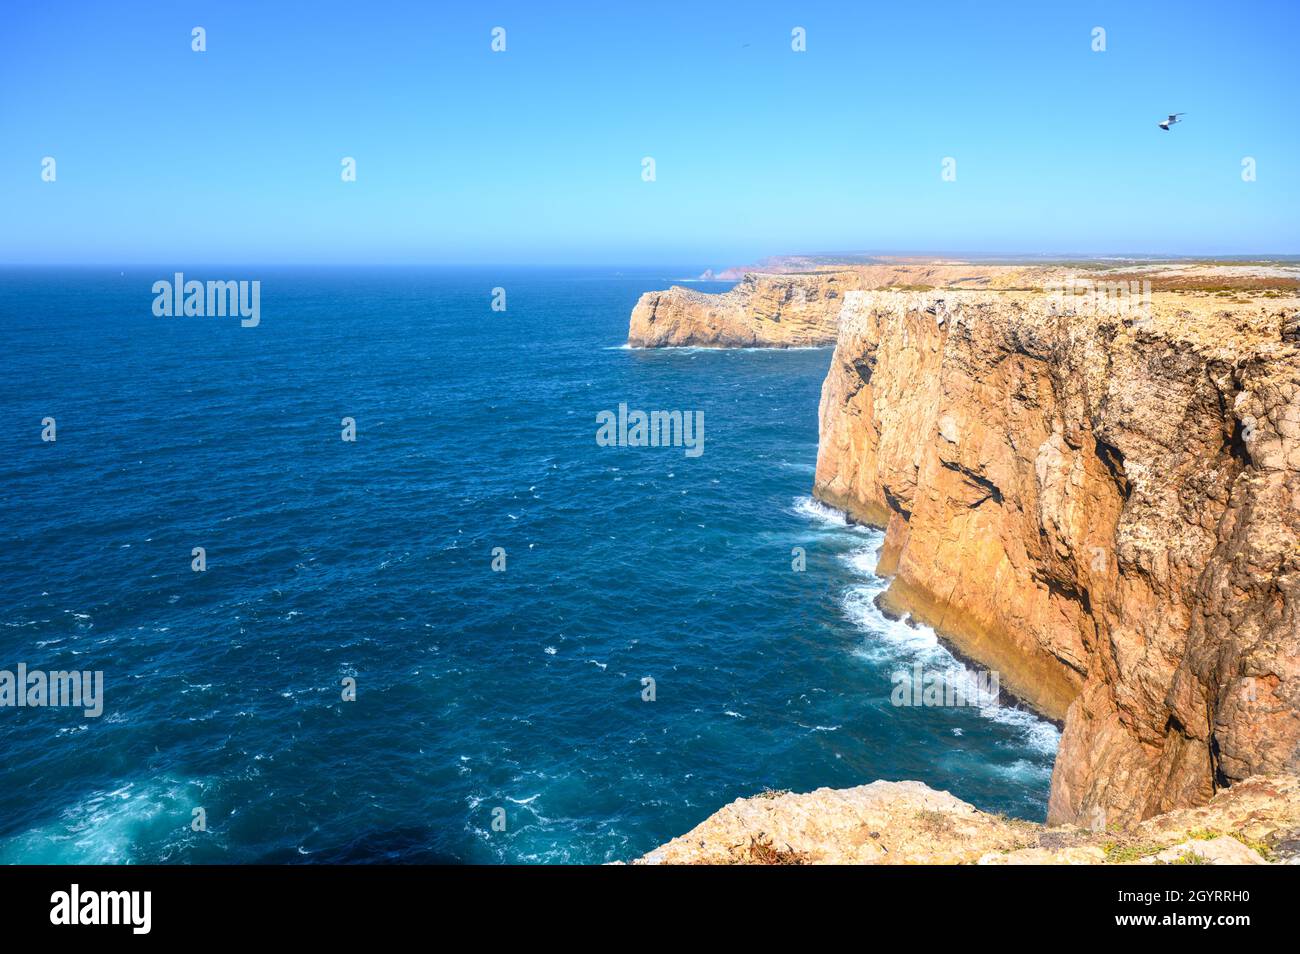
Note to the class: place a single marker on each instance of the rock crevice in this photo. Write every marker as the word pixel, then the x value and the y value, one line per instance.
pixel 1106 511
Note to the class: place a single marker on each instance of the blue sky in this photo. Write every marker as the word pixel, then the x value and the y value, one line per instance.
pixel 534 155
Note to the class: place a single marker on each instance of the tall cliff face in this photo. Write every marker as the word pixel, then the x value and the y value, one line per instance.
pixel 1105 509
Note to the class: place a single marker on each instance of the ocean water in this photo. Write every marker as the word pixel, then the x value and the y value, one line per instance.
pixel 479 694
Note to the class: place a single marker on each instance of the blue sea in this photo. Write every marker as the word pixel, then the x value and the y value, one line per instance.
pixel 513 696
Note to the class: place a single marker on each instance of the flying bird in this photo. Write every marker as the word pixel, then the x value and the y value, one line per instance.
pixel 1173 118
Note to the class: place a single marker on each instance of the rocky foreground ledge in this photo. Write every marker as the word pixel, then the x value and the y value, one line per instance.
pixel 1255 822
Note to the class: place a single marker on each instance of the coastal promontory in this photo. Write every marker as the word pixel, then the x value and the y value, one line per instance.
pixel 1096 494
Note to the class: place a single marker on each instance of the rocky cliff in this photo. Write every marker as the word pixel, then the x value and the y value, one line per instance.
pixel 769 311
pixel 1097 497
pixel 785 310
pixel 1101 504
pixel 889 823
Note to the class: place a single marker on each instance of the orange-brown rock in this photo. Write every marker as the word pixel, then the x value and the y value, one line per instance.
pixel 1103 505
pixel 768 311
pixel 1097 496
pixel 789 310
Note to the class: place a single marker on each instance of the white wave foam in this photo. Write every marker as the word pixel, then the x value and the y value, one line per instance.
pixel 892 640
pixel 905 643
pixel 825 516
pixel 863 560
pixel 106 826
pixel 714 349
pixel 1040 735
pixel 1022 770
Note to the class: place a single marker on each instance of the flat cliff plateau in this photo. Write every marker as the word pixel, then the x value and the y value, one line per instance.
pixel 799 306
pixel 1098 498
pixel 786 310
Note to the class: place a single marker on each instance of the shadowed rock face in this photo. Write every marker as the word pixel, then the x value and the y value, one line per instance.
pixel 1104 509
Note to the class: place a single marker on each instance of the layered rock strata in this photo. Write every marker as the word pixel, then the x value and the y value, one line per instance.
pixel 1103 507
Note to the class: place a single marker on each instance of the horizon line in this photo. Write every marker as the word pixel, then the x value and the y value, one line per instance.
pixel 974 256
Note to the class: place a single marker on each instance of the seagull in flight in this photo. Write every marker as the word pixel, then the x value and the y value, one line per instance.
pixel 1173 118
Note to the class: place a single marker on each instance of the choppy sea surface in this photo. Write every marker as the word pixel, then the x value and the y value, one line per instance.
pixel 480 695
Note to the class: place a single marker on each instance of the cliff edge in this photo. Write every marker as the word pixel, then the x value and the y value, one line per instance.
pixel 1103 504
pixel 1096 495
pixel 788 310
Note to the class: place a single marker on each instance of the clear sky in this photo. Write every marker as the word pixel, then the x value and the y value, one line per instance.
pixel 534 155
